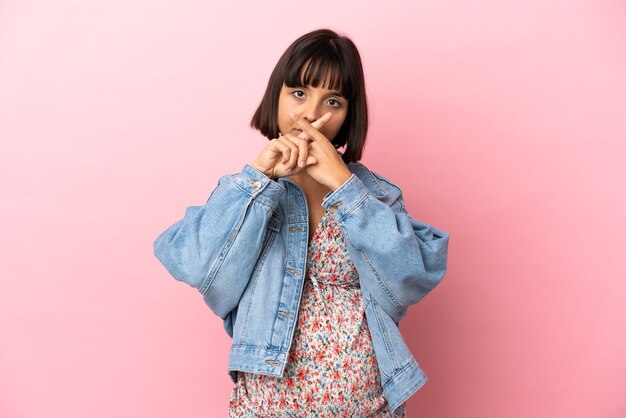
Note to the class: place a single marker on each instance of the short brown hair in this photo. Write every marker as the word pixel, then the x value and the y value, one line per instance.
pixel 323 52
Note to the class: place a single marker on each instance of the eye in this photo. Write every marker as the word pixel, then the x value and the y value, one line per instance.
pixel 336 101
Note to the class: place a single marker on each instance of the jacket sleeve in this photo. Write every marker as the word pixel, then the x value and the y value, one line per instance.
pixel 406 258
pixel 214 247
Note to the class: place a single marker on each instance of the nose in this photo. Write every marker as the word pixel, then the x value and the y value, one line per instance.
pixel 311 111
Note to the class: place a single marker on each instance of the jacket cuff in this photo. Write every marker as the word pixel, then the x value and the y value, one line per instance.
pixel 259 186
pixel 346 197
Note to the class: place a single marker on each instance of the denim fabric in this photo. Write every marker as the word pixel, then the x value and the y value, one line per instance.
pixel 245 252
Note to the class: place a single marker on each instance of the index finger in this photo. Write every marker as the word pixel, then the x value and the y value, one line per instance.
pixel 310 130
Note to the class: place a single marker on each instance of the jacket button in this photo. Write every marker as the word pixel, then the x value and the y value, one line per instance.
pixel 255 184
pixel 333 208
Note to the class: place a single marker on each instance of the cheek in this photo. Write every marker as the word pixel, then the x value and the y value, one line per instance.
pixel 339 123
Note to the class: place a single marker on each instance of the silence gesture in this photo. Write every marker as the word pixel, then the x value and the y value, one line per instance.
pixel 329 169
pixel 288 154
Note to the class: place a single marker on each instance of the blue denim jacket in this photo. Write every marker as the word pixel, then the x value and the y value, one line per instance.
pixel 245 252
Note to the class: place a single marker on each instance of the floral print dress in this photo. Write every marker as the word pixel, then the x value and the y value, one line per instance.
pixel 331 369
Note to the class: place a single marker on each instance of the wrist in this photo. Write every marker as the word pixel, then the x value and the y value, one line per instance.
pixel 265 173
pixel 341 180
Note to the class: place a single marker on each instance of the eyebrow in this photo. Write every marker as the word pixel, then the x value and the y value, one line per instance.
pixel 336 93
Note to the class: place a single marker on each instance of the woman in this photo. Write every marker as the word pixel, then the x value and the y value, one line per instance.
pixel 308 256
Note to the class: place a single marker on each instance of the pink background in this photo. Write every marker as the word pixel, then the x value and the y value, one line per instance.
pixel 503 122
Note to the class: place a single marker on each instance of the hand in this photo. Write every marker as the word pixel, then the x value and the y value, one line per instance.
pixel 287 154
pixel 329 168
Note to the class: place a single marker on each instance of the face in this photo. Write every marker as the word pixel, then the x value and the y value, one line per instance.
pixel 312 103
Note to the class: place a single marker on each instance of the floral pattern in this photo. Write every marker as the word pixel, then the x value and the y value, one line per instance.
pixel 331 369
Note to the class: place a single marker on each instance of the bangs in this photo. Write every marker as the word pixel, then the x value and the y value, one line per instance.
pixel 325 71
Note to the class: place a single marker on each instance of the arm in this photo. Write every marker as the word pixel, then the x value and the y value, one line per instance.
pixel 214 247
pixel 408 258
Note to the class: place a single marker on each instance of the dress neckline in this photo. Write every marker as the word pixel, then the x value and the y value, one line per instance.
pixel 318 227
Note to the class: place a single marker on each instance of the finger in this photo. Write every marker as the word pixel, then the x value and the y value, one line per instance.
pixel 308 128
pixel 322 120
pixel 282 148
pixel 317 124
pixel 303 148
pixel 292 158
